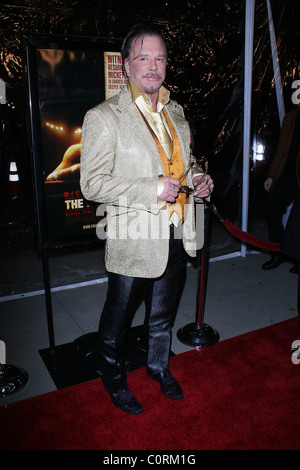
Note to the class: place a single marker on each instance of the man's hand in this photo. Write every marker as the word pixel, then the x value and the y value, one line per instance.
pixel 267 183
pixel 203 185
pixel 171 189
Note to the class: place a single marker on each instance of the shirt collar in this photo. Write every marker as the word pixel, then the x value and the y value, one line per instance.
pixel 135 92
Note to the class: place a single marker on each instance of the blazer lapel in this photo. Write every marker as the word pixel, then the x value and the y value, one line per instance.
pixel 140 131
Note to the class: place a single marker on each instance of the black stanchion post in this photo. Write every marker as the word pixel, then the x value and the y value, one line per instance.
pixel 12 378
pixel 200 334
pixel 48 299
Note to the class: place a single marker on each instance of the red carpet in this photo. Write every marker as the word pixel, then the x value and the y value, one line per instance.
pixel 242 393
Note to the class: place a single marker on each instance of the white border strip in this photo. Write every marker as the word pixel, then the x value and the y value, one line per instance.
pixel 102 280
pixel 54 289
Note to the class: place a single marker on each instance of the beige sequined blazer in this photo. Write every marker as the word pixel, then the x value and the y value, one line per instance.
pixel 120 165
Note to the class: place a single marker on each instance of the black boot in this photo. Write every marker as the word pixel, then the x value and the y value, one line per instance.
pixel 274 262
pixel 122 397
pixel 168 384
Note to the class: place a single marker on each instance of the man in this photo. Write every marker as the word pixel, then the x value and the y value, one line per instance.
pixel 283 181
pixel 136 158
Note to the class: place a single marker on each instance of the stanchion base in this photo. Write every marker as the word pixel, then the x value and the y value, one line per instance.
pixel 202 336
pixel 12 379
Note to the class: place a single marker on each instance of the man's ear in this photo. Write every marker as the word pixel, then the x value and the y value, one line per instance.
pixel 126 67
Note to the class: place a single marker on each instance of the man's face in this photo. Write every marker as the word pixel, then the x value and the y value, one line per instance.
pixel 146 64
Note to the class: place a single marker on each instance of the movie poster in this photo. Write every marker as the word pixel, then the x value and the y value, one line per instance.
pixel 69 82
pixel 114 78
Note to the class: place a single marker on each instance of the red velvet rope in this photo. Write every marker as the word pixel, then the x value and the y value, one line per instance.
pixel 244 236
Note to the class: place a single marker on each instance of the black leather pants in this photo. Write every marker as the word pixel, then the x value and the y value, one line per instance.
pixel 160 297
